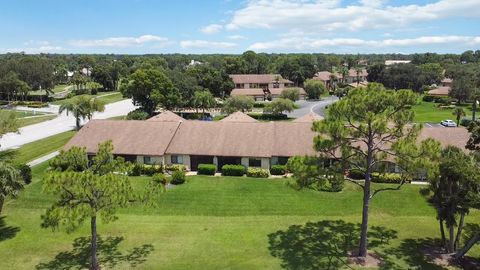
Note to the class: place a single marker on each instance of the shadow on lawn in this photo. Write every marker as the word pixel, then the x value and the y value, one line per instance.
pixel 108 255
pixel 7 232
pixel 323 244
pixel 417 253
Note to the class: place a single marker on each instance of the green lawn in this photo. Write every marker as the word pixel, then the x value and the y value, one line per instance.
pixel 428 112
pixel 107 97
pixel 35 120
pixel 223 223
pixel 58 88
pixel 20 114
pixel 33 150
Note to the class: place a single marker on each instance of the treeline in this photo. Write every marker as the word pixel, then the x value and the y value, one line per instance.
pixel 20 74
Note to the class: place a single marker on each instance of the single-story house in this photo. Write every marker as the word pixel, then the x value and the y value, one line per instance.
pixel 231 141
pixel 353 77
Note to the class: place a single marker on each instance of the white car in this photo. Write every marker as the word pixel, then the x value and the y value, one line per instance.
pixel 448 123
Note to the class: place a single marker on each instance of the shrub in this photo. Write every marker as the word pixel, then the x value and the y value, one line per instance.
pixel 356 174
pixel 428 98
pixel 206 169
pixel 465 122
pixel 257 172
pixel 176 168
pixel 151 169
pixel 268 117
pixel 137 115
pixel 159 177
pixel 178 178
pixel 278 170
pixel 336 183
pixel 93 91
pixel 136 170
pixel 233 170
pixel 259 105
pixel 394 178
pixel 25 173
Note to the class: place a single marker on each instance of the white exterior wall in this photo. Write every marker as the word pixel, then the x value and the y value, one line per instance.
pixel 245 162
pixel 266 163
pixel 157 160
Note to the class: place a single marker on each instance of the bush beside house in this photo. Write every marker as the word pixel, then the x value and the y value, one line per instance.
pixel 206 169
pixel 257 173
pixel 233 170
pixel 278 170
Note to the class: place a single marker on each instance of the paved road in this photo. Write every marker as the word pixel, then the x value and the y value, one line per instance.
pixel 58 125
pixel 307 106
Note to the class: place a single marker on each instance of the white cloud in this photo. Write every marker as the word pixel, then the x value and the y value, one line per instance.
pixel 312 44
pixel 212 29
pixel 330 15
pixel 236 37
pixel 204 44
pixel 34 50
pixel 121 41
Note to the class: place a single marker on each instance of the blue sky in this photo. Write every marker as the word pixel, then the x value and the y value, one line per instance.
pixel 228 26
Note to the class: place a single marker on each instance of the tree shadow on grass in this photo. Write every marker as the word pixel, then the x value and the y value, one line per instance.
pixel 108 255
pixel 7 232
pixel 417 253
pixel 323 244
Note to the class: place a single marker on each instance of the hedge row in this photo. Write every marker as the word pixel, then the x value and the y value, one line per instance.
pixel 143 169
pixel 257 173
pixel 206 169
pixel 233 170
pixel 278 170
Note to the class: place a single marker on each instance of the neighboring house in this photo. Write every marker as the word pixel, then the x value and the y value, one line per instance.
pixel 394 62
pixel 239 117
pixel 353 78
pixel 190 142
pixel 261 86
pixel 443 90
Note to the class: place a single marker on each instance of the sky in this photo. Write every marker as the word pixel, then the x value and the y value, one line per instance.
pixel 228 26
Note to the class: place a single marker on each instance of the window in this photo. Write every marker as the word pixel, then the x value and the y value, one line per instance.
pixel 147 160
pixel 254 162
pixel 176 159
pixel 282 160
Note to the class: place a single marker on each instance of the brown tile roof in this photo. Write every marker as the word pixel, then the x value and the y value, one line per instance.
pixel 166 116
pixel 223 139
pixel 246 139
pixel 457 136
pixel 238 117
pixel 247 92
pixel 129 137
pixel 322 76
pixel 308 118
pixel 257 78
pixel 440 91
pixel 353 73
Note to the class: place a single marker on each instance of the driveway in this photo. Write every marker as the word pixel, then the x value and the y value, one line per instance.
pixel 58 125
pixel 307 106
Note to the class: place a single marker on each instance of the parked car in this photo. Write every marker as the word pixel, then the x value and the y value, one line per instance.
pixel 448 123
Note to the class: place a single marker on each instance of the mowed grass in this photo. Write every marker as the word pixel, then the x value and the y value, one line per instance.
pixel 429 112
pixel 218 223
pixel 34 120
pixel 107 97
pixel 36 149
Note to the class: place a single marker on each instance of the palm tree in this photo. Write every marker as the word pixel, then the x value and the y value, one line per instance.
pixel 459 113
pixel 203 100
pixel 10 180
pixel 82 107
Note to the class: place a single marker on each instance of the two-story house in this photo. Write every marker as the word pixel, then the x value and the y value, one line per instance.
pixel 261 86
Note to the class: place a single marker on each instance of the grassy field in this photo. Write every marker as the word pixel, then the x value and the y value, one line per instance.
pixel 225 223
pixel 58 88
pixel 428 112
pixel 35 120
pixel 33 150
pixel 107 97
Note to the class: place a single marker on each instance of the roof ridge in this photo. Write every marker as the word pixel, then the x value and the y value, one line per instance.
pixel 179 123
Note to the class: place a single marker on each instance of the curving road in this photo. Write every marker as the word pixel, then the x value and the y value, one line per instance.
pixel 307 106
pixel 58 125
